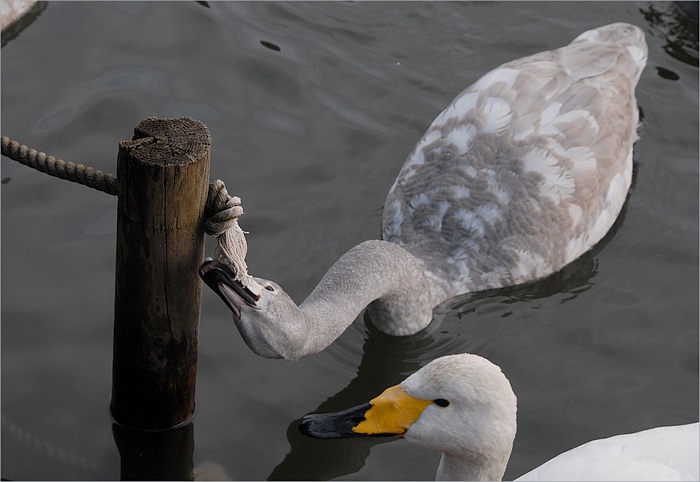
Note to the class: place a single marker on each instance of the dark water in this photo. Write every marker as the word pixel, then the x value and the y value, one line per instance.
pixel 311 135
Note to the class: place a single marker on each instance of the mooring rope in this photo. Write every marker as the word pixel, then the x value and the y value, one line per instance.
pixel 59 168
pixel 222 210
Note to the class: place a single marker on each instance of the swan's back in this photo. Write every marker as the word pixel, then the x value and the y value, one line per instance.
pixel 663 453
pixel 527 169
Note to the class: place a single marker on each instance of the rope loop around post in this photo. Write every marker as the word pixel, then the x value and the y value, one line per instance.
pixel 222 213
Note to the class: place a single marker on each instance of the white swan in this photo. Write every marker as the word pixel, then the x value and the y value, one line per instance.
pixel 521 174
pixel 463 406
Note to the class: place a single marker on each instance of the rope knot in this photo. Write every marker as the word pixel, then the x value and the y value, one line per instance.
pixel 222 212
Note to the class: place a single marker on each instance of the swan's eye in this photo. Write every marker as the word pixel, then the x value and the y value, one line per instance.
pixel 441 402
pixel 269 288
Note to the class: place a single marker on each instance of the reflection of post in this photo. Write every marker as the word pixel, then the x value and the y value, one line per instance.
pixel 159 455
pixel 163 182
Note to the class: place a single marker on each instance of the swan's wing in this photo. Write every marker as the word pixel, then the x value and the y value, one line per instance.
pixel 527 168
pixel 664 453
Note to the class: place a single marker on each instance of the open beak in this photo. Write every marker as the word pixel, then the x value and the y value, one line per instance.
pixel 222 279
pixel 391 413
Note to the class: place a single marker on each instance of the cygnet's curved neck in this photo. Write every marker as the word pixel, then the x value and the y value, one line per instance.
pixel 380 274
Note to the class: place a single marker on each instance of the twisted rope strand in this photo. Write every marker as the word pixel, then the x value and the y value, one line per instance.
pixel 59 168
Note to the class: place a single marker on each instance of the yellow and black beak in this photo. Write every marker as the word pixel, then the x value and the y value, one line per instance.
pixel 391 413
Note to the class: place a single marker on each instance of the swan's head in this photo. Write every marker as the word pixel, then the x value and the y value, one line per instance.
pixel 461 405
pixel 259 317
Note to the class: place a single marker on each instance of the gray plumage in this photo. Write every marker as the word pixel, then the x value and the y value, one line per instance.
pixel 527 169
pixel 522 173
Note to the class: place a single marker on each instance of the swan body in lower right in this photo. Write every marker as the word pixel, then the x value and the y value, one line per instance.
pixel 522 173
pixel 661 453
pixel 464 406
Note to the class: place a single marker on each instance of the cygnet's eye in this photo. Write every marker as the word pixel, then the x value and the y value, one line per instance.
pixel 441 402
pixel 269 288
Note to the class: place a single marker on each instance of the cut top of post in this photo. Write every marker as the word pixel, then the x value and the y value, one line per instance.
pixel 169 141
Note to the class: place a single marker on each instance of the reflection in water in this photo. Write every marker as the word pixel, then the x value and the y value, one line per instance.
pixel 155 455
pixel 387 360
pixel 63 463
pixel 575 278
pixel 689 8
pixel 669 21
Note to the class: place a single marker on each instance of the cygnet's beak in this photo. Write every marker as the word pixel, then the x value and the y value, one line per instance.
pixel 391 413
pixel 222 279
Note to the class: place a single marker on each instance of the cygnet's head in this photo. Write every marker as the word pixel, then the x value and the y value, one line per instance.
pixel 266 317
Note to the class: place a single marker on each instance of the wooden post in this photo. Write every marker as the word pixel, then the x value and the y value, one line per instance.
pixel 163 179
